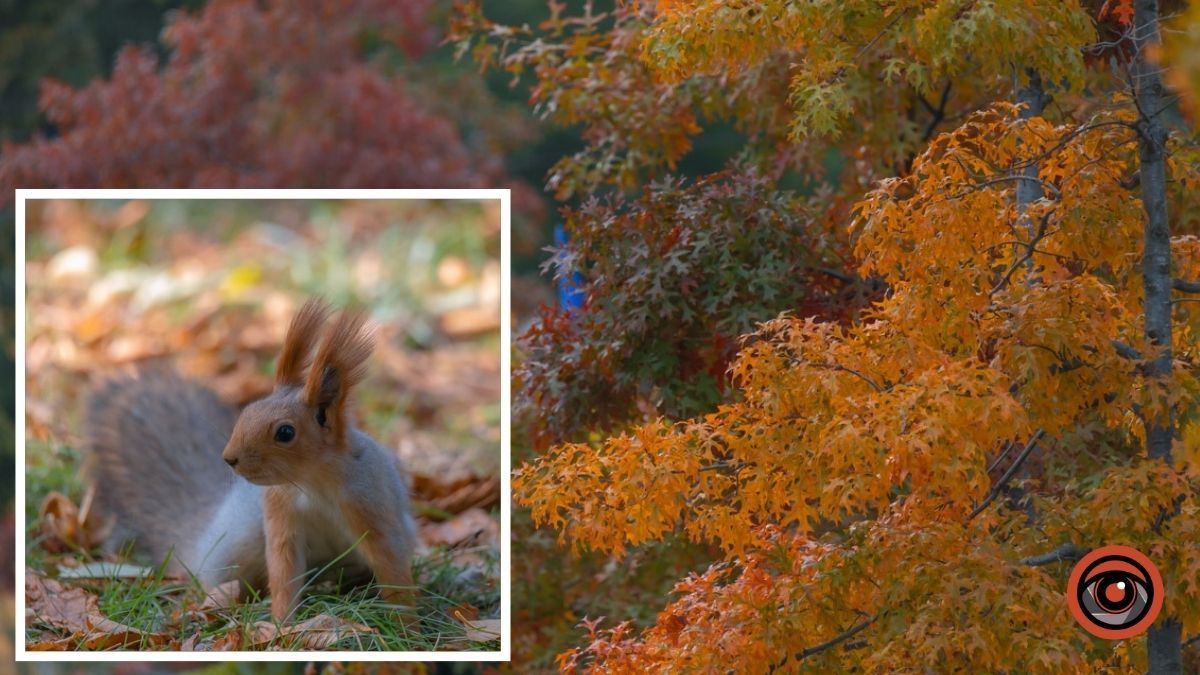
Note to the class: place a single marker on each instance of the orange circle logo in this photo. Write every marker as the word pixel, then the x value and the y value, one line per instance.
pixel 1115 592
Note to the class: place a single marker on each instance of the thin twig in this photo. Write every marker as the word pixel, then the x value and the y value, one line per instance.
pixel 1012 470
pixel 1045 185
pixel 836 274
pixel 996 462
pixel 836 640
pixel 838 366
pixel 1020 262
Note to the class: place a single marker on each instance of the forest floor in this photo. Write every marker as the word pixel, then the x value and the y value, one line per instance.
pixel 209 288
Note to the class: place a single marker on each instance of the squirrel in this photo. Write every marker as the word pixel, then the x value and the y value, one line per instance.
pixel 287 486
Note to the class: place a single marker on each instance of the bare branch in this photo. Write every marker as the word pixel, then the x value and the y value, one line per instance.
pixel 1067 551
pixel 1126 352
pixel 1186 286
pixel 836 640
pixel 836 274
pixel 1012 470
pixel 1020 262
pixel 939 113
pixel 1045 185
pixel 840 367
pixel 996 462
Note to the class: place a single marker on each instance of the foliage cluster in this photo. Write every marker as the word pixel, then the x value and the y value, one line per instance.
pixel 271 94
pixel 881 483
pixel 672 278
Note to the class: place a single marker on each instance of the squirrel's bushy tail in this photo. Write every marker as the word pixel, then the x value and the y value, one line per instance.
pixel 153 443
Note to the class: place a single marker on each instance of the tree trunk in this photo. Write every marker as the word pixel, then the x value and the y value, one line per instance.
pixel 1164 647
pixel 1034 100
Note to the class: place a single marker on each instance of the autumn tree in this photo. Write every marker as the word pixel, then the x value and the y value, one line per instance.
pixel 858 477
pixel 272 94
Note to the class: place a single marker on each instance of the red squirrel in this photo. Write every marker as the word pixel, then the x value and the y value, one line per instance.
pixel 287 486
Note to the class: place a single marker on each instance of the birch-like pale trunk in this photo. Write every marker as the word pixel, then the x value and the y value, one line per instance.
pixel 1164 647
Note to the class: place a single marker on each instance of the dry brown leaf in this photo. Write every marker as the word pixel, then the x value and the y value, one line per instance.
pixel 64 526
pixel 479 630
pixel 222 596
pixel 51 645
pixel 77 611
pixel 190 643
pixel 483 493
pixel 474 526
pixel 316 633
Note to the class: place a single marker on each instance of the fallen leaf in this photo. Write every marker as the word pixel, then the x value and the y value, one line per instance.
pixel 50 645
pixel 78 612
pixel 473 526
pixel 106 570
pixel 316 633
pixel 479 630
pixel 64 526
pixel 222 596
pixel 189 644
pixel 479 493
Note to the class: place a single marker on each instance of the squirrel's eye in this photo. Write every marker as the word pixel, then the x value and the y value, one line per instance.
pixel 285 433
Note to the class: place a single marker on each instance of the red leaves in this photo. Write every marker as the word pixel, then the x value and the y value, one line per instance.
pixel 1120 10
pixel 271 94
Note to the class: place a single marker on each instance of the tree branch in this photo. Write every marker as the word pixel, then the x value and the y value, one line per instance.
pixel 1186 286
pixel 939 113
pixel 1067 551
pixel 836 274
pixel 840 367
pixel 1126 352
pixel 1012 470
pixel 1020 262
pixel 836 640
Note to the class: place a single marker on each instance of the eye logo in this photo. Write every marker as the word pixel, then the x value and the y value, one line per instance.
pixel 1115 592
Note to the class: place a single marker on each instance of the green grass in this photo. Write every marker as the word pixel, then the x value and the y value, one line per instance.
pixel 157 604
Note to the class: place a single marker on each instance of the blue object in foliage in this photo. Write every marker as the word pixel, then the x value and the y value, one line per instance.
pixel 570 296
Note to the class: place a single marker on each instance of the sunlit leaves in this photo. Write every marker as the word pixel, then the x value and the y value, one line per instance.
pixel 836 47
pixel 845 478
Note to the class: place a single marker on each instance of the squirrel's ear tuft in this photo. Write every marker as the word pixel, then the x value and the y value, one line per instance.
pixel 301 337
pixel 340 364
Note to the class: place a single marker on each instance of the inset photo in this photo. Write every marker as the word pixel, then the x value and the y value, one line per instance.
pixel 266 422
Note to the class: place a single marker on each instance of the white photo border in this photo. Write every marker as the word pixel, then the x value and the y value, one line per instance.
pixel 504 196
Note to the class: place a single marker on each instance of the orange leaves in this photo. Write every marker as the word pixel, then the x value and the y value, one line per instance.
pixel 1121 10
pixel 825 430
pixel 837 48
pixel 628 491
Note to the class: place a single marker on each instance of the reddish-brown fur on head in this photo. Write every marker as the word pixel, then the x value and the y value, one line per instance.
pixel 340 364
pixel 302 334
pixel 287 436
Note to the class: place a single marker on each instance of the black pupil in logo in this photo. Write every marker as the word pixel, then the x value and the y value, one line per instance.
pixel 1115 591
pixel 1115 598
pixel 285 433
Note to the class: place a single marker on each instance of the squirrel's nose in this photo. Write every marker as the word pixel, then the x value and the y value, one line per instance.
pixel 231 461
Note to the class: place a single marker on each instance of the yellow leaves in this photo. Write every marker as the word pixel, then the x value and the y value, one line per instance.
pixel 828 428
pixel 837 48
pixel 1055 340
pixel 1151 507
pixel 626 492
